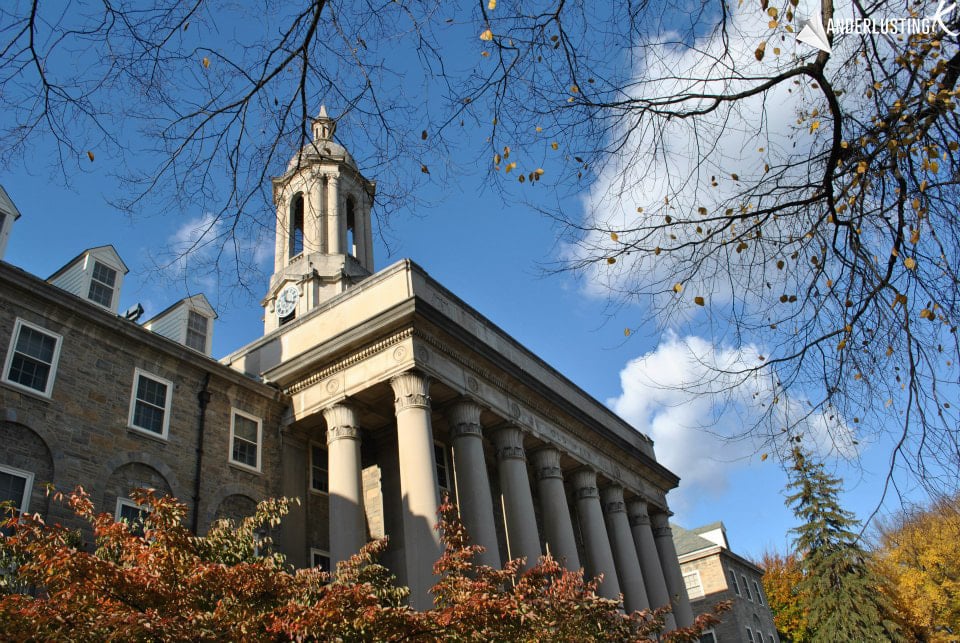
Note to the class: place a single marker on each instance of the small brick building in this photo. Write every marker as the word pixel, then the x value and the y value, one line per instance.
pixel 712 573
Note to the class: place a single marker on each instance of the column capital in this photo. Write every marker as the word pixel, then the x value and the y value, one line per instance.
pixel 612 497
pixel 508 441
pixel 546 463
pixel 464 419
pixel 411 390
pixel 661 525
pixel 341 419
pixel 637 512
pixel 584 482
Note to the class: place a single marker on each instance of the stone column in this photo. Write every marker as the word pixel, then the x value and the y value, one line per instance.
pixel 624 551
pixel 649 558
pixel 418 484
pixel 522 538
pixel 348 524
pixel 663 539
pixel 473 485
pixel 595 542
pixel 335 242
pixel 313 216
pixel 557 525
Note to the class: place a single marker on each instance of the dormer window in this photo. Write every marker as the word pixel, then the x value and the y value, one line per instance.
pixel 197 326
pixel 296 225
pixel 103 279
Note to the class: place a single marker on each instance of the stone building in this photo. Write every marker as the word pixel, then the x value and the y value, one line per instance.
pixel 712 573
pixel 369 395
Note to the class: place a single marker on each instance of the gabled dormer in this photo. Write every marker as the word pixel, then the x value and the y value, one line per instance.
pixel 189 321
pixel 95 274
pixel 8 214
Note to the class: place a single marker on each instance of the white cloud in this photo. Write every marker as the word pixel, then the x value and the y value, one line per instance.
pixel 709 414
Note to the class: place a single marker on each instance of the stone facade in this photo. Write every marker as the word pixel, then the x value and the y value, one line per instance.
pixel 368 397
pixel 712 573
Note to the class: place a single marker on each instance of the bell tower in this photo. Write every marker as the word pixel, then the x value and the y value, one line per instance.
pixel 324 241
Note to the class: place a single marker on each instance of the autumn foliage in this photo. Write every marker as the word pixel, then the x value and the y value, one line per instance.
pixel 164 583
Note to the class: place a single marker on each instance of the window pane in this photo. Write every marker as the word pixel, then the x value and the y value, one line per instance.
pixel 440 455
pixel 33 343
pixel 148 417
pixel 244 428
pixel 196 331
pixel 320 560
pixel 104 274
pixel 244 452
pixel 150 405
pixel 28 372
pixel 152 392
pixel 100 294
pixel 12 488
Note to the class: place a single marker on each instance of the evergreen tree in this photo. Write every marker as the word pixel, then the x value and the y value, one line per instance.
pixel 844 603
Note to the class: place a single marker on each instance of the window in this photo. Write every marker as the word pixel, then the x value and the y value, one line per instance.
pixel 708 637
pixel 245 433
pixel 15 487
pixel 750 636
pixel 351 226
pixel 131 513
pixel 443 468
pixel 733 581
pixel 692 582
pixel 756 589
pixel 150 403
pixel 296 225
pixel 318 468
pixel 746 586
pixel 102 281
pixel 197 331
pixel 32 358
pixel 320 558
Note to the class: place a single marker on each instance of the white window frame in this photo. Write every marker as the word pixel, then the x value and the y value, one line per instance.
pixel 8 363
pixel 322 492
pixel 732 573
pixel 320 552
pixel 128 502
pixel 695 572
pixel 234 412
pixel 114 289
pixel 27 487
pixel 168 403
pixel 759 592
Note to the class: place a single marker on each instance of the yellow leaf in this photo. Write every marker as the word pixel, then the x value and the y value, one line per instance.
pixel 814 126
pixel 555 145
pixel 206 62
pixel 909 263
pixel 735 176
pixel 861 167
pixel 90 155
pixel 889 351
pixel 574 89
pixel 763 457
pixel 915 236
pixel 539 129
pixel 510 167
pixel 486 35
pixel 614 236
pixel 698 300
pixel 538 171
pixel 677 287
pixel 496 158
pixel 492 5
pixel 842 344
pixel 423 168
pixel 626 332
pixel 772 24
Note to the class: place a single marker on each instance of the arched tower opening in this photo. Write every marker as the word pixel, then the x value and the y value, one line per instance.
pixel 352 226
pixel 296 225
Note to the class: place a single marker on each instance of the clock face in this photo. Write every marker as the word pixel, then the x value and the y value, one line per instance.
pixel 287 301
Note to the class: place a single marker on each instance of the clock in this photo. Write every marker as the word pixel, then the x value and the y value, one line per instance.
pixel 287 301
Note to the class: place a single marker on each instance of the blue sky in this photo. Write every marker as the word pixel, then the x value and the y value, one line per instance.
pixel 489 248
